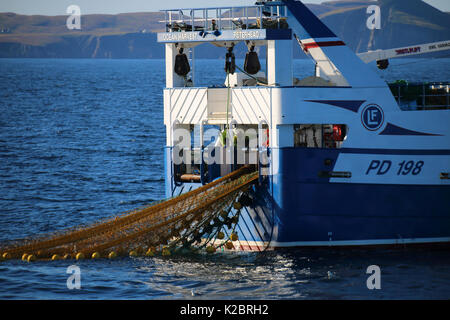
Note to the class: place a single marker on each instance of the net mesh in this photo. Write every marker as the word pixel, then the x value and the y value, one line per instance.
pixel 191 221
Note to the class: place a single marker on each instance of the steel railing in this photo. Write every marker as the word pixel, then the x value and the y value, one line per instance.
pixel 225 18
pixel 421 96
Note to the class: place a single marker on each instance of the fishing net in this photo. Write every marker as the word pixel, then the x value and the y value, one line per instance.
pixel 192 221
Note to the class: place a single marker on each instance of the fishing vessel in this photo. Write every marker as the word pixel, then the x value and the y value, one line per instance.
pixel 344 158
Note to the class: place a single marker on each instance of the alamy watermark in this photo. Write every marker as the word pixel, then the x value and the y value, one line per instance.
pixel 374 280
pixel 374 21
pixel 73 22
pixel 74 280
pixel 226 147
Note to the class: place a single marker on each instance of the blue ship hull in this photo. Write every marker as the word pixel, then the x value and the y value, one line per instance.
pixel 354 161
pixel 298 206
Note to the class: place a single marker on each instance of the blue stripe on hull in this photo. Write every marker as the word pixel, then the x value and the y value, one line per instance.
pixel 344 227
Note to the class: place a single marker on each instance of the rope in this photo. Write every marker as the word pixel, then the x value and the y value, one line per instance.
pixel 228 98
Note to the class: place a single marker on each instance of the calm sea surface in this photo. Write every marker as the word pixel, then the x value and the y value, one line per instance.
pixel 81 140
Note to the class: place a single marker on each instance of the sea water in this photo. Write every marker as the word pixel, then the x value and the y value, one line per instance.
pixel 81 140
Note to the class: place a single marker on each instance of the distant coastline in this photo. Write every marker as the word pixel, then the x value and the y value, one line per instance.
pixel 133 35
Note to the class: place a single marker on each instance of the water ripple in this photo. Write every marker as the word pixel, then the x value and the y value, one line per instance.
pixel 82 140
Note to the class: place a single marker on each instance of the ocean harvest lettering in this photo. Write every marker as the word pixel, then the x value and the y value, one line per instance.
pixel 178 36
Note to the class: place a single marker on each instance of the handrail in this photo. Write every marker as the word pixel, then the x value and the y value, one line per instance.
pixel 221 18
pixel 408 95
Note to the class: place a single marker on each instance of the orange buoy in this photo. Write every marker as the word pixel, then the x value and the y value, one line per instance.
pixel 95 255
pixel 210 249
pixel 223 214
pixel 229 245
pixel 79 256
pixel 133 253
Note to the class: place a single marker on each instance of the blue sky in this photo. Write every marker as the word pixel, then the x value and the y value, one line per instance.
pixel 58 7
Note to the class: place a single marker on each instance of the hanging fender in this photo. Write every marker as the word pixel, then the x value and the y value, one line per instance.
pixel 230 61
pixel 251 64
pixel 182 66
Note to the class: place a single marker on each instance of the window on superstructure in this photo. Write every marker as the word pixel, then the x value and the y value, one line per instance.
pixel 319 135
